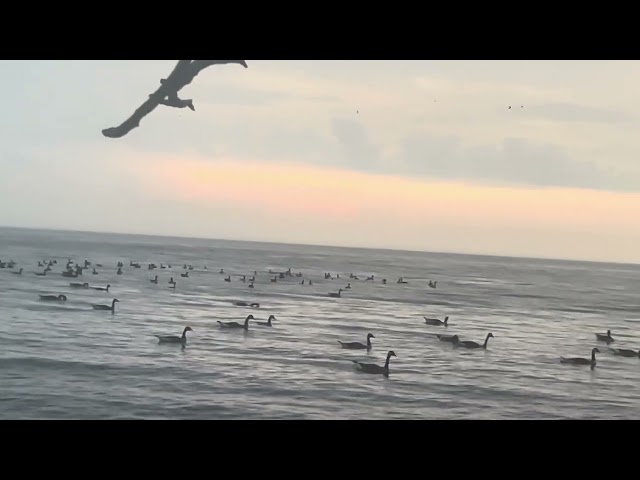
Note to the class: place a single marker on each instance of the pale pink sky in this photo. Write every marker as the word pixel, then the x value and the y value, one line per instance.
pixel 434 160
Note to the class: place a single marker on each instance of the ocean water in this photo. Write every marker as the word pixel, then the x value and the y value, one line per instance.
pixel 70 362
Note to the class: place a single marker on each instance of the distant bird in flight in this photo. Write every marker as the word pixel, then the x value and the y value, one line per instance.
pixel 167 94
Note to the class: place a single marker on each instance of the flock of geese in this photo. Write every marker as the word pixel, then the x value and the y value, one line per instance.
pixel 74 270
pixel 602 337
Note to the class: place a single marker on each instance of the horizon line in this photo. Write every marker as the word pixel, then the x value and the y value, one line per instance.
pixel 628 263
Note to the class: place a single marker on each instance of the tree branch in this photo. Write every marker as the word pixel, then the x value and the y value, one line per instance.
pixel 167 94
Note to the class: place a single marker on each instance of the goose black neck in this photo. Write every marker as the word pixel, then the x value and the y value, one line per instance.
pixel 386 364
pixel 369 346
pixel 486 340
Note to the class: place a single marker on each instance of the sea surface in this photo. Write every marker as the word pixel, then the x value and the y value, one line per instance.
pixel 67 361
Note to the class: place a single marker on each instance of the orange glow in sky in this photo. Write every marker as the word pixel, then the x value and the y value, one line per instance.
pixel 289 189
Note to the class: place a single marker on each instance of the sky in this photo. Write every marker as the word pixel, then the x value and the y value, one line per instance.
pixel 416 155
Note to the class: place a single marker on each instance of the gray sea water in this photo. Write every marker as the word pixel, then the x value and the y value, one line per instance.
pixel 70 362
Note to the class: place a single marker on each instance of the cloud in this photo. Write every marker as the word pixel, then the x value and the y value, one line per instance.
pixel 572 112
pixel 514 161
pixel 358 149
pixel 311 204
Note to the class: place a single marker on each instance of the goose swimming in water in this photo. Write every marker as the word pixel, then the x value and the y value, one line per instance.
pixel 582 361
pixel 251 285
pixel 79 285
pixel 154 280
pixel 247 304
pixel 174 338
pixel 348 287
pixel 54 298
pixel 95 272
pixel 102 289
pixel 336 295
pixel 449 338
pixel 18 272
pixel 43 274
pixel 470 344
pixel 228 279
pixel 605 337
pixel 185 275
pixel 435 321
pixel 358 345
pixel 373 368
pixel 171 280
pixel 244 326
pixel 107 307
pixel 119 272
pixel 268 322
pixel 623 352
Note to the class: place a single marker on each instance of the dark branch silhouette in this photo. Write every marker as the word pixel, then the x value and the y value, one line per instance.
pixel 182 75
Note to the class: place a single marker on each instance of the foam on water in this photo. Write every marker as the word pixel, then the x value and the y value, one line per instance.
pixel 69 361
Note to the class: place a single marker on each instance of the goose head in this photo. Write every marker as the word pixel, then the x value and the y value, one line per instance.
pixel 371 335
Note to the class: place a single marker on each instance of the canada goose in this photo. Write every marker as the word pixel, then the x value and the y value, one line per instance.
pixel 435 321
pixel 605 337
pixel 102 289
pixel 54 298
pixel 247 304
pixel 582 361
pixel 470 344
pixel 244 326
pixel 174 338
pixel 623 352
pixel 448 338
pixel 373 368
pixel 107 307
pixel 268 322
pixel 358 345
